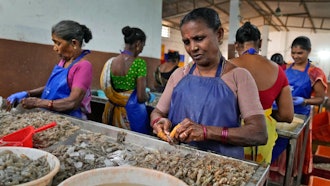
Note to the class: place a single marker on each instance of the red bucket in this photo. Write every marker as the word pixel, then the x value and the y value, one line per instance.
pixel 24 136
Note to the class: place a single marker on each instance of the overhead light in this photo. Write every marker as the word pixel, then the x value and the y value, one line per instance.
pixel 278 11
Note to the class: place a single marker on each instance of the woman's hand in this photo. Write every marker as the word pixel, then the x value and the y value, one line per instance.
pixel 162 129
pixel 17 97
pixel 189 131
pixel 298 100
pixel 30 102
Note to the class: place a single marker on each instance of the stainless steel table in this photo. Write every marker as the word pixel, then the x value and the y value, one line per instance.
pixel 293 135
pixel 259 178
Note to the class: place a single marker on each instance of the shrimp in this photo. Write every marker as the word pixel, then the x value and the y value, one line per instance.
pixel 173 132
pixel 162 136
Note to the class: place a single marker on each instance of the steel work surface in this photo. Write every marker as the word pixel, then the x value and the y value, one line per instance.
pixel 152 143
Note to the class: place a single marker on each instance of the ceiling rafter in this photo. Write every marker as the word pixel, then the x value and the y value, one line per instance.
pixel 309 16
pixel 259 12
pixel 273 13
pixel 267 18
pixel 322 21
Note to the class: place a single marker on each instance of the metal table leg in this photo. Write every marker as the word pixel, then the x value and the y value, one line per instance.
pixel 293 136
pixel 302 152
pixel 290 160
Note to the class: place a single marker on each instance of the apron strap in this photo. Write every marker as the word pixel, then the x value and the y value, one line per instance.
pixel 217 74
pixel 84 52
pixel 307 66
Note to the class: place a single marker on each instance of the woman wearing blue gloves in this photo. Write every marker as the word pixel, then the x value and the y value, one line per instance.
pixel 308 85
pixel 68 88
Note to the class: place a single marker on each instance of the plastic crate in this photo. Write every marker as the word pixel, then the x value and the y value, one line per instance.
pixel 318 181
pixel 322 154
pixel 323 151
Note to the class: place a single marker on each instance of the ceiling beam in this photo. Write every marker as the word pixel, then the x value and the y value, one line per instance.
pixel 179 14
pixel 273 13
pixel 263 10
pixel 322 23
pixel 306 1
pixel 309 16
pixel 266 17
pixel 308 27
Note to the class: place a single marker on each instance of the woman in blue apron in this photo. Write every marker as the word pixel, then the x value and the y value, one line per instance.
pixel 68 88
pixel 308 86
pixel 207 98
pixel 123 79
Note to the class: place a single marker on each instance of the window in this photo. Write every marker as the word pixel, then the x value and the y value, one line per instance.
pixel 165 31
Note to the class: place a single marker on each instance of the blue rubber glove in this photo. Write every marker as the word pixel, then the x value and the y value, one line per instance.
pixel 298 100
pixel 17 97
pixel 152 97
pixel 274 106
pixel 147 90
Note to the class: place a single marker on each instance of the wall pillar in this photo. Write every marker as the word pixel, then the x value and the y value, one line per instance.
pixel 264 37
pixel 234 23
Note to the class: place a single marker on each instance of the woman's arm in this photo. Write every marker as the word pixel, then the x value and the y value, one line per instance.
pixel 141 81
pixel 319 85
pixel 69 103
pixel 141 89
pixel 285 110
pixel 319 93
pixel 36 92
pixel 253 131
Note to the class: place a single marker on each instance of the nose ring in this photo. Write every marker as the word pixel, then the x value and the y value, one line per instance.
pixel 195 48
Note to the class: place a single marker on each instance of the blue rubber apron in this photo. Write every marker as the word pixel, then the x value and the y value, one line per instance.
pixel 57 86
pixel 208 101
pixel 137 115
pixel 301 86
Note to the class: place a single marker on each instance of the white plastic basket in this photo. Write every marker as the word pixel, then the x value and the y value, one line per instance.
pixel 34 154
pixel 126 175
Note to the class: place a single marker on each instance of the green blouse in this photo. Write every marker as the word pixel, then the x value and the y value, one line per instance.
pixel 128 82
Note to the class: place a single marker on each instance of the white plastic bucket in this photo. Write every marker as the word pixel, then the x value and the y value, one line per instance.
pixel 34 154
pixel 122 176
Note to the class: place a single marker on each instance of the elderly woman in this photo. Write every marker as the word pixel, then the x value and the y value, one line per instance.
pixel 68 88
pixel 207 99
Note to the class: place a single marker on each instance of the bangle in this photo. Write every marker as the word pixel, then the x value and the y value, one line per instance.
pixel 28 93
pixel 155 121
pixel 50 104
pixel 224 134
pixel 204 132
